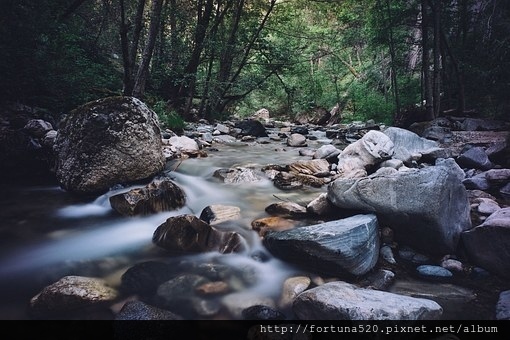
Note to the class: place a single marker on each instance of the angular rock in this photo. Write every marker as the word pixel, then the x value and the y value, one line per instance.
pixel 344 301
pixel 498 176
pixel 320 206
pixel 409 140
pixel 296 140
pixel 287 181
pixel 237 175
pixel 314 167
pixel 262 114
pixel 427 208
pixel 475 158
pixel 189 234
pixel 328 152
pixel 487 245
pixel 347 247
pixel 477 182
pixel 217 214
pixel 138 310
pixel 105 142
pixel 38 128
pixel 160 195
pixel 286 209
pixel 184 144
pixel 71 293
pixel 252 128
pixel 373 148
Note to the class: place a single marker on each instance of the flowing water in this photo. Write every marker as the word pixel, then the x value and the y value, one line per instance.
pixel 46 233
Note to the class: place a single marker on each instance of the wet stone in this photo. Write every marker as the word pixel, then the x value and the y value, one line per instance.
pixel 260 312
pixel 433 272
pixel 138 310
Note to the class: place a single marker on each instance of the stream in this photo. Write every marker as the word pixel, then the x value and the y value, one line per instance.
pixel 46 233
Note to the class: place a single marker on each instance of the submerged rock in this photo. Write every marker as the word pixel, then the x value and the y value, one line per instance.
pixel 344 247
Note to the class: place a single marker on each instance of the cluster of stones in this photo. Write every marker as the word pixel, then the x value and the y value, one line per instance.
pixel 389 196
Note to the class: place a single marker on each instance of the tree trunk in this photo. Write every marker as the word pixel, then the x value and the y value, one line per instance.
pixel 436 9
pixel 143 69
pixel 392 55
pixel 427 84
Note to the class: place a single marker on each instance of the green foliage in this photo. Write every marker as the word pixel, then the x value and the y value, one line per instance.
pixel 168 118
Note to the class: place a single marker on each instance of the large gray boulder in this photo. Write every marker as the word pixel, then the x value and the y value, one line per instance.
pixel 428 208
pixel 344 301
pixel 357 158
pixel 105 142
pixel 345 247
pixel 488 244
pixel 403 138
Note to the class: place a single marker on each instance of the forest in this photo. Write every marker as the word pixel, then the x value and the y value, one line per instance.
pixel 387 60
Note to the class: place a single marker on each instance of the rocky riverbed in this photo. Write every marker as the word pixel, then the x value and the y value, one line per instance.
pixel 262 219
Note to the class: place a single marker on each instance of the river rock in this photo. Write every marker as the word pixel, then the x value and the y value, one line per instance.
pixel 387 254
pixel 189 234
pixel 252 128
pixel 71 293
pixel 344 301
pixel 427 208
pixel 409 140
pixel 348 246
pixel 505 192
pixel 292 287
pixel 287 181
pixel 286 209
pixel 138 310
pixel 184 144
pixel 487 245
pixel 451 297
pixel 237 175
pixel 320 206
pixel 475 158
pixel 262 115
pixel 273 223
pixel 296 140
pixel 433 272
pixel 503 306
pixel 380 279
pixel 259 312
pixel 145 277
pixel 212 288
pixel 218 213
pixel 477 182
pixel 328 152
pixel 160 195
pixel 486 206
pixel 314 167
pixel 373 148
pixel 108 141
pixel 178 293
pixel 38 128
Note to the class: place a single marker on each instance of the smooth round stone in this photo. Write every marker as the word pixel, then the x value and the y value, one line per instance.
pixel 434 272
